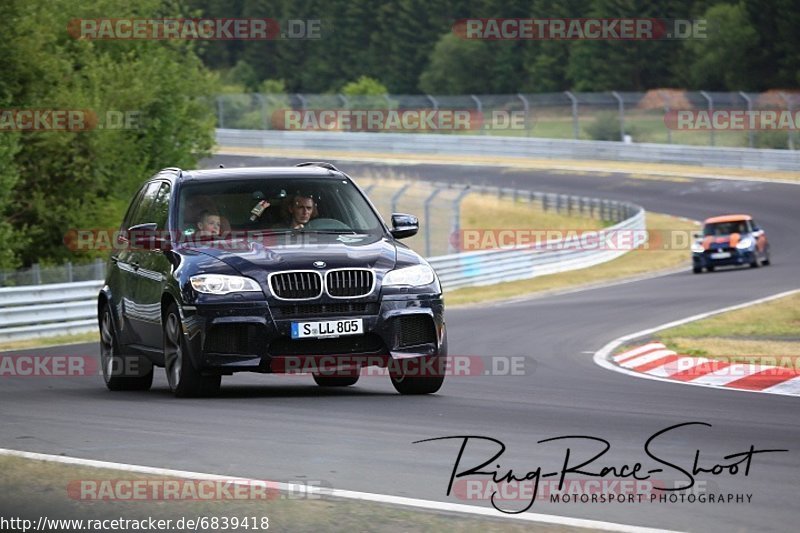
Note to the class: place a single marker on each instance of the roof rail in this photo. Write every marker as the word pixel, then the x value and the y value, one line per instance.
pixel 174 169
pixel 322 164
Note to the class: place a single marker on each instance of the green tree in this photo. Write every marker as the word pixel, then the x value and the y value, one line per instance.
pixel 84 179
pixel 726 59
pixel 455 67
pixel 364 85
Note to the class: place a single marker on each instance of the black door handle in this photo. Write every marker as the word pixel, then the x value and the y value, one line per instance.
pixel 135 266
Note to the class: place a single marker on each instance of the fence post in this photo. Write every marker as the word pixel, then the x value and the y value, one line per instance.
pixel 427 208
pixel 263 102
pixel 99 268
pixel 710 114
pixel 479 108
pixel 527 107
pixel 665 97
pixel 36 273
pixel 749 110
pixel 433 101
pixel 69 271
pixel 396 196
pixel 220 113
pixel 575 125
pixel 789 106
pixel 621 106
pixel 457 214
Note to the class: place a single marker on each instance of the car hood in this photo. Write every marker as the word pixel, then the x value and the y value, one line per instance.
pixel 257 258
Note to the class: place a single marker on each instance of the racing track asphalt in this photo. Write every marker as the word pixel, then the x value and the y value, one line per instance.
pixel 273 427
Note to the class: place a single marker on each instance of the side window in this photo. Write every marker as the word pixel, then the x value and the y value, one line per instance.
pixel 142 213
pixel 160 211
pixel 126 222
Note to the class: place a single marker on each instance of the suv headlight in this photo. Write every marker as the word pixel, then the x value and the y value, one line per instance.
pixel 698 248
pixel 222 284
pixel 745 243
pixel 414 276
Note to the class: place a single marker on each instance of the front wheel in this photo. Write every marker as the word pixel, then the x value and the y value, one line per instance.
pixel 184 379
pixel 121 372
pixel 697 270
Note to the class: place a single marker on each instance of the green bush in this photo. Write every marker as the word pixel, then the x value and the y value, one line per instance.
pixel 772 139
pixel 605 127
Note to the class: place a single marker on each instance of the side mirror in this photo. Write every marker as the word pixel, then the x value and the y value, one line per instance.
pixel 145 237
pixel 404 225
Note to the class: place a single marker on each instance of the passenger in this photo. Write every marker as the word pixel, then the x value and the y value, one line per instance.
pixel 209 224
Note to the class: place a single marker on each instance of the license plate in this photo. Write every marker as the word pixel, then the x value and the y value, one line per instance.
pixel 327 328
pixel 720 255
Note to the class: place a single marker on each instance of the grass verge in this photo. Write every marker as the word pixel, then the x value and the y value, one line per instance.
pixel 34 488
pixel 56 340
pixel 636 263
pixel 770 330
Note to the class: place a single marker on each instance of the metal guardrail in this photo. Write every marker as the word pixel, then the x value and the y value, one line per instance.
pixel 43 310
pixel 67 308
pixel 512 147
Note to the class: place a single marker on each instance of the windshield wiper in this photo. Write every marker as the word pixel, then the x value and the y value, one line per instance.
pixel 278 231
pixel 329 231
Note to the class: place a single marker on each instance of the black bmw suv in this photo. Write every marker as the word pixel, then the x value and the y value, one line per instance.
pixel 273 269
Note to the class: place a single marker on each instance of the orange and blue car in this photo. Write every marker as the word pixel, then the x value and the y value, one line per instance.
pixel 730 240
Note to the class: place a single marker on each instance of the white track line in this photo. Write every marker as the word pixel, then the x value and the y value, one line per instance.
pixel 604 358
pixel 345 494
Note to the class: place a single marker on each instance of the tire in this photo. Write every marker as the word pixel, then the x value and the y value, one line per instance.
pixel 697 270
pixel 184 379
pixel 766 261
pixel 710 268
pixel 428 382
pixel 754 263
pixel 110 355
pixel 336 381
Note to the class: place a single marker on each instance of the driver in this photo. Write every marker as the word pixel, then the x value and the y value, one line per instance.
pixel 301 209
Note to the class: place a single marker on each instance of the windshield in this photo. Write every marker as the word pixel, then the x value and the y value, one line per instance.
pixel 274 205
pixel 725 228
